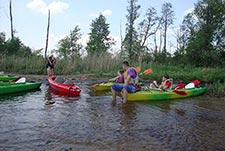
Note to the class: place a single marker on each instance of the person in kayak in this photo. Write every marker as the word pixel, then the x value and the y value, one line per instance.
pixel 50 64
pixel 129 85
pixel 165 84
pixel 119 78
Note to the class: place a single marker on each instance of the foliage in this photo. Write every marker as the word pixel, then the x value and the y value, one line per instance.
pixel 13 46
pixel 204 34
pixel 99 40
pixel 131 45
pixel 70 46
pixel 166 20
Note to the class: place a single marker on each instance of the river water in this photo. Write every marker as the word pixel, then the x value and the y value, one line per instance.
pixel 45 120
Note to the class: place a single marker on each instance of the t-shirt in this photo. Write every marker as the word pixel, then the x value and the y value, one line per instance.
pixel 132 73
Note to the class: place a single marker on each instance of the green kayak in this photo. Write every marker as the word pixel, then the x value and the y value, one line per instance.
pixel 8 88
pixel 8 78
pixel 151 94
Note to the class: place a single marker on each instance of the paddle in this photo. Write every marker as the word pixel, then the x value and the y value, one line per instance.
pixel 21 80
pixel 147 71
pixel 179 92
pixel 188 86
pixel 138 69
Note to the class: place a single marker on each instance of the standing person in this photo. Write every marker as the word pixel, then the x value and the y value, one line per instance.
pixel 130 83
pixel 50 64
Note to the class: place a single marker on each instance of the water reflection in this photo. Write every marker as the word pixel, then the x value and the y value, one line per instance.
pixel 51 96
pixel 93 122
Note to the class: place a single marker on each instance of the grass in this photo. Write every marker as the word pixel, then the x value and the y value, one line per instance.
pixel 103 65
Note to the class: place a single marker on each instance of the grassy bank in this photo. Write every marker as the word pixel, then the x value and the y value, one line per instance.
pixel 105 66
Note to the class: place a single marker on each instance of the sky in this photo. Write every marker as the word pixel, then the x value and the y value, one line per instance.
pixel 30 18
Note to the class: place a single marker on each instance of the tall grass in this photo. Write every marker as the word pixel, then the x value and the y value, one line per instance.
pixel 103 65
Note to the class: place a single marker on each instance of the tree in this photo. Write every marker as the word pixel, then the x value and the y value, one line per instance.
pixel 147 28
pixel 149 25
pixel 130 43
pixel 99 40
pixel 2 42
pixel 206 42
pixel 167 20
pixel 70 46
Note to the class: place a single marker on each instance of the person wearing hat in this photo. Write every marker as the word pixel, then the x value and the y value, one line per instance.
pixel 165 84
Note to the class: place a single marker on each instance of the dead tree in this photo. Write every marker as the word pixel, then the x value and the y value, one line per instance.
pixel 48 26
pixel 11 18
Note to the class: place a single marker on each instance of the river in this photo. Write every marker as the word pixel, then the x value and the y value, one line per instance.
pixel 92 122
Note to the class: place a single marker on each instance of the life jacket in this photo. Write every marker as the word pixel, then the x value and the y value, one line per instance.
pixel 166 84
pixel 120 79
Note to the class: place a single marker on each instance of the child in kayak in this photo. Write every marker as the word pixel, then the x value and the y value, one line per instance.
pixel 130 83
pixel 119 78
pixel 165 84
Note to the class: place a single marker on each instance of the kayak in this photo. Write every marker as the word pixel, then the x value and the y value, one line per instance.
pixel 72 89
pixel 18 87
pixel 8 78
pixel 103 86
pixel 152 94
pixel 106 86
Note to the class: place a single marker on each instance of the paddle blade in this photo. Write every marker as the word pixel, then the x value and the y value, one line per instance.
pixel 21 80
pixel 180 86
pixel 180 92
pixel 148 71
pixel 196 82
pixel 138 69
pixel 190 86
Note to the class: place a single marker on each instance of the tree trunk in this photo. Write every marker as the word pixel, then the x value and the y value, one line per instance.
pixel 11 19
pixel 46 45
pixel 160 41
pixel 165 33
pixel 155 43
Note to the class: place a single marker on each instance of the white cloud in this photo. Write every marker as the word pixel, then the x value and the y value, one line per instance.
pixel 84 39
pixel 190 10
pixel 106 12
pixel 41 7
pixel 53 40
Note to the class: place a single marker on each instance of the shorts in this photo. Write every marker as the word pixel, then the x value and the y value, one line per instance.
pixel 119 87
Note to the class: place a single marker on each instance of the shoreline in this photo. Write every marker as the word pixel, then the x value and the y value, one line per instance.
pixel 211 91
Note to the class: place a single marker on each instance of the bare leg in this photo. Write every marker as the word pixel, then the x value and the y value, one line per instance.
pixel 113 94
pixel 52 72
pixel 124 95
pixel 48 71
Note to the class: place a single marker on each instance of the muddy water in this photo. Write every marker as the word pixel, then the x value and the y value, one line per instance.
pixel 93 122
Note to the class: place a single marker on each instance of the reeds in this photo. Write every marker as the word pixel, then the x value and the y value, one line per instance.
pixel 104 65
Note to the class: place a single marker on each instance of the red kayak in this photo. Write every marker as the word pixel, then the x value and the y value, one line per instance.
pixel 61 85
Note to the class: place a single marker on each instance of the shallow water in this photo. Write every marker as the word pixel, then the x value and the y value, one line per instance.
pixel 93 122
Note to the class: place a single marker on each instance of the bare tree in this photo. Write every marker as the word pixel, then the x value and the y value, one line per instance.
pixel 148 26
pixel 48 26
pixel 11 19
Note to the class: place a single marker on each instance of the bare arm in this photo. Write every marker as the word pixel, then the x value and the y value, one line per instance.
pixel 127 81
pixel 113 79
